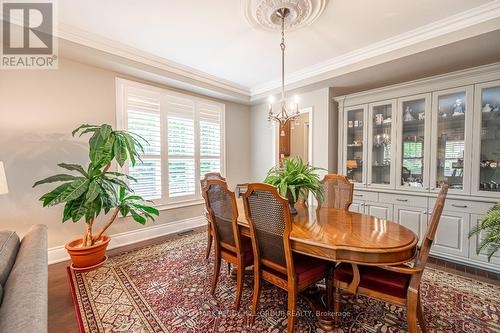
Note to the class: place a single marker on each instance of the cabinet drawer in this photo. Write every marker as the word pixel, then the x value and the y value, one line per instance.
pixel 464 206
pixel 365 195
pixel 404 199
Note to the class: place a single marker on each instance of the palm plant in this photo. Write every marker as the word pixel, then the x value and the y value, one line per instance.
pixel 96 189
pixel 296 179
pixel 490 223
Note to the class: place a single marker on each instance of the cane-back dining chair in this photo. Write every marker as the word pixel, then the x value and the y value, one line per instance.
pixel 203 182
pixel 394 284
pixel 268 216
pixel 228 243
pixel 337 192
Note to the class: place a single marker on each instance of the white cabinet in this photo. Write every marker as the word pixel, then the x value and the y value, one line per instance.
pixel 413 134
pixel 452 236
pixel 486 158
pixel 474 242
pixel 400 142
pixel 414 218
pixel 357 207
pixel 379 209
pixel 451 133
pixel 355 148
pixel 381 145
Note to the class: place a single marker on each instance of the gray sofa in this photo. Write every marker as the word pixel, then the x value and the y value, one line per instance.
pixel 23 281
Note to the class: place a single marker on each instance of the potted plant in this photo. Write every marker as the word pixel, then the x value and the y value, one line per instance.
pixel 95 190
pixel 490 223
pixel 294 180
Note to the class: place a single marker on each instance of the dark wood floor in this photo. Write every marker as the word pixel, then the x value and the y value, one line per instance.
pixel 62 317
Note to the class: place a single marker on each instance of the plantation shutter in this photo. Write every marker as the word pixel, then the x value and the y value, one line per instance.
pixel 143 118
pixel 181 151
pixel 210 117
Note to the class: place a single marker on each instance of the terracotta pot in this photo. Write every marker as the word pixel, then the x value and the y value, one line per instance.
pixel 87 257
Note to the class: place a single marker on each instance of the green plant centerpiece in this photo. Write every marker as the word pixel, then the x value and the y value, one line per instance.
pixel 95 189
pixel 296 179
pixel 490 224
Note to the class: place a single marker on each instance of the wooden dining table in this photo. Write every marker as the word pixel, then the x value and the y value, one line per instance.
pixel 342 236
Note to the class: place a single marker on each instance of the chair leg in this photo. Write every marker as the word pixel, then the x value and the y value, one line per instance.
pixel 256 294
pixel 209 242
pixel 336 306
pixel 420 314
pixel 240 274
pixel 215 277
pixel 292 309
pixel 411 311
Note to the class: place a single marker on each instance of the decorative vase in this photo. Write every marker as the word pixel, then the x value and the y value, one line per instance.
pixel 291 203
pixel 87 257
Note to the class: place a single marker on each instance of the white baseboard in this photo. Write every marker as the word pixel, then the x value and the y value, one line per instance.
pixel 58 253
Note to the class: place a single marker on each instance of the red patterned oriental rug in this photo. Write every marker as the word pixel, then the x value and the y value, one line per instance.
pixel 165 288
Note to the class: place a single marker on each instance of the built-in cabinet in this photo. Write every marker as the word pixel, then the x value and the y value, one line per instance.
pixel 400 143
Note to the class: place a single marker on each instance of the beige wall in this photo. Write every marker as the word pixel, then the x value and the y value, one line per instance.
pixel 38 110
pixel 299 138
pixel 324 133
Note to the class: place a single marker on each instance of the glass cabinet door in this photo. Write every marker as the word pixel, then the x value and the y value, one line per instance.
pixel 452 115
pixel 354 144
pixel 414 115
pixel 380 149
pixel 487 139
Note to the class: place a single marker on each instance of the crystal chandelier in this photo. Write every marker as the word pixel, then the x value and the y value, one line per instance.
pixel 283 116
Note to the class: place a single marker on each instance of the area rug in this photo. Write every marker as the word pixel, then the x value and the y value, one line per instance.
pixel 165 288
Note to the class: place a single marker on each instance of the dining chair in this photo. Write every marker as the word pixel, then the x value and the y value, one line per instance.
pixel 337 192
pixel 394 284
pixel 228 243
pixel 203 182
pixel 268 216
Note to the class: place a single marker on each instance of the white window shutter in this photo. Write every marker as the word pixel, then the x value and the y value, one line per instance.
pixel 143 118
pixel 181 150
pixel 210 116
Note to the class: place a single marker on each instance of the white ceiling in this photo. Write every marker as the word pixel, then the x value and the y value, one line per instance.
pixel 213 36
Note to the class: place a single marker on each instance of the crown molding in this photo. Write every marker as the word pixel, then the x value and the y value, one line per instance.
pixel 454 23
pixel 85 38
pixel 191 79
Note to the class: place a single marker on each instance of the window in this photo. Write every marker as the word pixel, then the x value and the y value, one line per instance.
pixel 185 137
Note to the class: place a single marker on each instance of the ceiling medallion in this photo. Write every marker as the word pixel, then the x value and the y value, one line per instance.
pixel 261 14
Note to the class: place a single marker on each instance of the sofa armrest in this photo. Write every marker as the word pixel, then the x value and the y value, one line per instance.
pixel 24 306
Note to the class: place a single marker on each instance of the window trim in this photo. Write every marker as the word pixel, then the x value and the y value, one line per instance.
pixel 166 202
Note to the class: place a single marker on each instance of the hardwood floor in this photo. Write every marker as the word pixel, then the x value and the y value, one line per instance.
pixel 62 317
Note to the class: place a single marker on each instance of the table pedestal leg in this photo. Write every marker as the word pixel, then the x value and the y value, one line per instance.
pixel 316 298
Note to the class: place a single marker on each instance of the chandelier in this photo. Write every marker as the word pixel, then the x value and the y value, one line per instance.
pixel 283 116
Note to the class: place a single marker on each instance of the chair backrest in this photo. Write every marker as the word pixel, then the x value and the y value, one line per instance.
pixel 337 192
pixel 222 211
pixel 268 215
pixel 430 233
pixel 210 175
pixel 432 226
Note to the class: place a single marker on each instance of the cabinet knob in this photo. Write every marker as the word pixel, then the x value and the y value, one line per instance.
pixel 402 200
pixel 433 188
pixel 358 195
pixel 426 188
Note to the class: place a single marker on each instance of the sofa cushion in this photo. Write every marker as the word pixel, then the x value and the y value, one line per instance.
pixel 24 304
pixel 9 245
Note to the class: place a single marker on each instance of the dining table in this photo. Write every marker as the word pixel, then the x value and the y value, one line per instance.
pixel 343 236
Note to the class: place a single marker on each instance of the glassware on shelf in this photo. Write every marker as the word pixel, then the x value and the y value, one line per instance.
pixel 355 134
pixel 381 144
pixel 489 170
pixel 412 145
pixel 451 140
